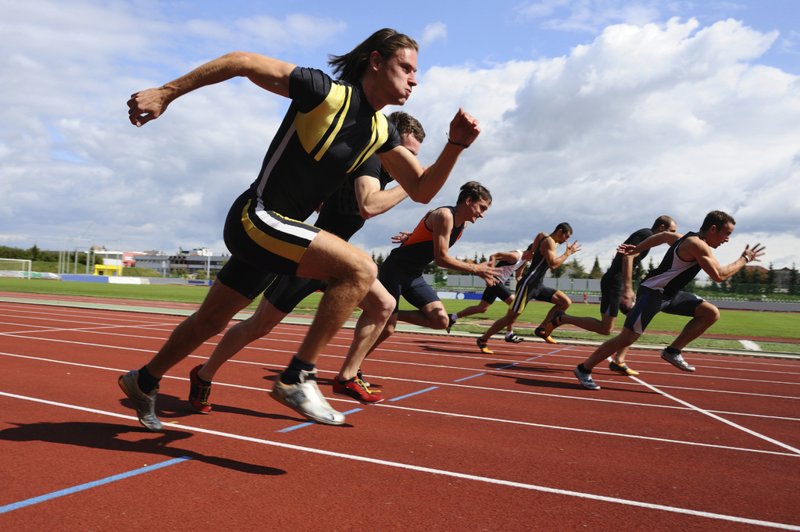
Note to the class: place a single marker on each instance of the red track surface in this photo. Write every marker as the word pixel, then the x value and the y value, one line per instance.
pixel 503 442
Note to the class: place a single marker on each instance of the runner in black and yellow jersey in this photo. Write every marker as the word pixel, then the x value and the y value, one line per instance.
pixel 343 214
pixel 331 128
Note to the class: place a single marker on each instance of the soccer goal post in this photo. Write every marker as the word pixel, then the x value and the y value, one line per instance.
pixel 15 268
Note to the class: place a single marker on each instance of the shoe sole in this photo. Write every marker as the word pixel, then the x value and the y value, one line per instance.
pixel 359 399
pixel 322 421
pixel 546 337
pixel 199 410
pixel 577 376
pixel 689 369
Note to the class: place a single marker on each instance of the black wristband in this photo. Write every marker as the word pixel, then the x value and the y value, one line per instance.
pixel 462 145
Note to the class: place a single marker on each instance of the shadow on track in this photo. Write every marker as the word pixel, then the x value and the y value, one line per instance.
pixel 110 436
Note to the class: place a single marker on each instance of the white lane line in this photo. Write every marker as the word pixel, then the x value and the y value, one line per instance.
pixel 433 471
pixel 719 418
pixel 452 414
pixel 750 345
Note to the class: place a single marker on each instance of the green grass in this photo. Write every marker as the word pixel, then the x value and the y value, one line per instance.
pixel 779 327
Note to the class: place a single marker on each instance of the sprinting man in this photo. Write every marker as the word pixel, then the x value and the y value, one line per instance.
pixel 330 129
pixel 343 214
pixel 532 285
pixel 662 290
pixel 509 264
pixel 616 288
pixel 431 239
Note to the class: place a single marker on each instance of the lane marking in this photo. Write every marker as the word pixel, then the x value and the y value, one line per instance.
pixel 750 345
pixel 719 418
pixel 89 485
pixel 311 423
pixel 434 471
pixel 479 418
pixel 412 394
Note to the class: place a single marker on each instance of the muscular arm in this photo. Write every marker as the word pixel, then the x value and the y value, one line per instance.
pixel 549 253
pixel 697 249
pixel 441 223
pixel 665 237
pixel 266 72
pixel 507 256
pixel 422 184
pixel 373 201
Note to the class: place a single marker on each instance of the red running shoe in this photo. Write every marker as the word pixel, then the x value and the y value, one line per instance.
pixel 356 389
pixel 199 392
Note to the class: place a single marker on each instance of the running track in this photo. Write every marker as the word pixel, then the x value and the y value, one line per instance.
pixel 464 441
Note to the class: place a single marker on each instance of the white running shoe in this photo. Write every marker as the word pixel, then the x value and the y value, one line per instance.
pixel 677 361
pixel 585 379
pixel 305 398
pixel 144 403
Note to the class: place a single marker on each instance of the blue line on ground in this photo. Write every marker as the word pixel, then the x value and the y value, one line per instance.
pixel 88 485
pixel 414 393
pixel 470 377
pixel 310 423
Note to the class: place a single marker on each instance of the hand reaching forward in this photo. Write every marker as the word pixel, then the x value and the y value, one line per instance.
pixel 750 255
pixel 487 272
pixel 401 237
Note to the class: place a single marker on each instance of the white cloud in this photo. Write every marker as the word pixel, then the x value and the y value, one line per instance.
pixel 433 32
pixel 646 119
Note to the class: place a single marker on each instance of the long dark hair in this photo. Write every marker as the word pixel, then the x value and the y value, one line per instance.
pixel 350 66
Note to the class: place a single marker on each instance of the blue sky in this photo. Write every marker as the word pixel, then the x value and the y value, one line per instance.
pixel 604 114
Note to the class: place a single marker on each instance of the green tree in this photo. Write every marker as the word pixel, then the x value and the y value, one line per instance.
pixel 770 280
pixel 794 287
pixel 596 272
pixel 576 269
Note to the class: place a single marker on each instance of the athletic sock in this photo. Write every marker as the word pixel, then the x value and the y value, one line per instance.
pixel 147 383
pixel 672 351
pixel 583 369
pixel 291 375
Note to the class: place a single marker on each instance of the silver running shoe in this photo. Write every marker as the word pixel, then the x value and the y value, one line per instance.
pixel 305 398
pixel 585 379
pixel 677 361
pixel 145 403
pixel 514 338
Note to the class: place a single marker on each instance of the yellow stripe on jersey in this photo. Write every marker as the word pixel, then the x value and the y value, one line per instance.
pixel 274 245
pixel 380 133
pixel 318 124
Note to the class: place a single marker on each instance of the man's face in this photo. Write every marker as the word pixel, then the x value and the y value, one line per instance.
pixel 562 236
pixel 717 236
pixel 669 229
pixel 410 142
pixel 398 75
pixel 477 209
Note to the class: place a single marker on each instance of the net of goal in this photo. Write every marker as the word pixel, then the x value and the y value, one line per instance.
pixel 15 268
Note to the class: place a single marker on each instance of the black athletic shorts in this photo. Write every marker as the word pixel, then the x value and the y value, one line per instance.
pixel 261 243
pixel 650 302
pixel 496 291
pixel 410 286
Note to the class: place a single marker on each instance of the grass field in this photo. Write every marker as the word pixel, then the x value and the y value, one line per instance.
pixel 776 331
